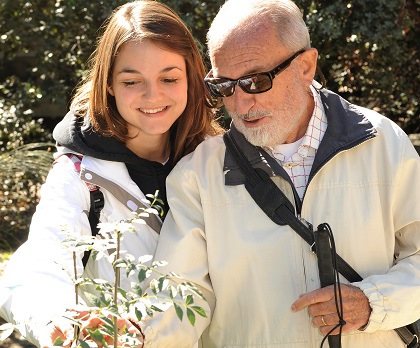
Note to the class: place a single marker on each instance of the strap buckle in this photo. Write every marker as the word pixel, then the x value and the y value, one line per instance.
pixel 413 344
pixel 312 247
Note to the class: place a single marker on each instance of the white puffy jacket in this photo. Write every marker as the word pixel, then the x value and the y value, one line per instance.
pixel 37 283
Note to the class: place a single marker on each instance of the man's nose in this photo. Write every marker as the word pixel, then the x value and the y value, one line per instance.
pixel 241 101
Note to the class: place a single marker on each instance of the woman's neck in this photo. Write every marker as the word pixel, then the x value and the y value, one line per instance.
pixel 155 149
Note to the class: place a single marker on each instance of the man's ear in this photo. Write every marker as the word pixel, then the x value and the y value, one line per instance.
pixel 308 61
pixel 110 90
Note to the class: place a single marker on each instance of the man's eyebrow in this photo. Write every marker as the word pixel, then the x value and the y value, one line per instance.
pixel 254 70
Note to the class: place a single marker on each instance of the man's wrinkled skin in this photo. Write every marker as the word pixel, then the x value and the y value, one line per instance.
pixel 321 303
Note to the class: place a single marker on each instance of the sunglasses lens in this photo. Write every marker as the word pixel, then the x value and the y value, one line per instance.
pixel 253 84
pixel 221 88
pixel 257 83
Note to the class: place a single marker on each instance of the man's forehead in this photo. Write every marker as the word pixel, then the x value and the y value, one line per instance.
pixel 244 51
pixel 241 31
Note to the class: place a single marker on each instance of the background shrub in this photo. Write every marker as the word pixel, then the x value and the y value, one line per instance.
pixel 369 53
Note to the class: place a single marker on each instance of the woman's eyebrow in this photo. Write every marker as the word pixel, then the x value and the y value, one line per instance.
pixel 134 71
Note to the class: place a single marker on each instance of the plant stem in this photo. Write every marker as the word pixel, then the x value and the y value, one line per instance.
pixel 76 291
pixel 76 285
pixel 116 286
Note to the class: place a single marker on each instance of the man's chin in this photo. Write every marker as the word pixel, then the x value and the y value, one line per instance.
pixel 256 139
pixel 257 136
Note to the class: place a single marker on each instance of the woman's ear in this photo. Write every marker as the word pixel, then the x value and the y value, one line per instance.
pixel 308 62
pixel 110 90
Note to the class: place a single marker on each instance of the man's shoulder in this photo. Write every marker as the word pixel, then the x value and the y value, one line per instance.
pixel 207 156
pixel 210 147
pixel 379 121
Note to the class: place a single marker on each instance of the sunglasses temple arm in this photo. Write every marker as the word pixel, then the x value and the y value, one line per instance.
pixel 321 75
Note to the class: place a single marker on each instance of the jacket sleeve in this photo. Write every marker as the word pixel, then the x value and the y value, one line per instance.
pixel 37 284
pixel 182 244
pixel 394 296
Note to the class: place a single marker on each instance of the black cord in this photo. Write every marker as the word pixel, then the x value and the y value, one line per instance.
pixel 337 288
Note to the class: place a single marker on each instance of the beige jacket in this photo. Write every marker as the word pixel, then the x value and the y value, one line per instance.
pixel 365 184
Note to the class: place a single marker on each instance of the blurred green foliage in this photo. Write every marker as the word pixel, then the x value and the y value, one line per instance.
pixel 369 50
pixel 369 53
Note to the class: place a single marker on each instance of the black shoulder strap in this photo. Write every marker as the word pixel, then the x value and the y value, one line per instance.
pixel 96 204
pixel 278 208
pixel 276 205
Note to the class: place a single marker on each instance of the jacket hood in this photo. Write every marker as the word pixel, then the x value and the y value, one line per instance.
pixel 74 135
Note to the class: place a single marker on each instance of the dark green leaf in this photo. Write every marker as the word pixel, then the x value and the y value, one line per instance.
pixel 189 300
pixel 96 335
pixel 58 342
pixel 179 311
pixel 191 316
pixel 138 314
pixel 83 344
pixel 156 309
pixel 137 289
pixel 142 275
pixel 199 310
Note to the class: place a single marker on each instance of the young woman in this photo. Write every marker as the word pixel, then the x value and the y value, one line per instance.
pixel 143 107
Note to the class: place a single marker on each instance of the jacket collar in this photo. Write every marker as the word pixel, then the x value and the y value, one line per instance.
pixel 347 127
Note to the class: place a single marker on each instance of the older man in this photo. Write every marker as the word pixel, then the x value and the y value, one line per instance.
pixel 337 162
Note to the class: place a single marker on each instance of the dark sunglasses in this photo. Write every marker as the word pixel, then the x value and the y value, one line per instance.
pixel 220 87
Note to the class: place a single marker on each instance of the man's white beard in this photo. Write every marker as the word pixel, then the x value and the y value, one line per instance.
pixel 266 135
pixel 259 136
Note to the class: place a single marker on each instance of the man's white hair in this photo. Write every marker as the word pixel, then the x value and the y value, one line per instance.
pixel 237 15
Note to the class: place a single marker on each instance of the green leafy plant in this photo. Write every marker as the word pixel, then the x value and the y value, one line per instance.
pixel 110 306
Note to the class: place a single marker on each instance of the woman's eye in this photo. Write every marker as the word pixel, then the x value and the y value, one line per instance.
pixel 170 80
pixel 129 83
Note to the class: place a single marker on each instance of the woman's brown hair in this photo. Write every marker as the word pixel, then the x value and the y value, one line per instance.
pixel 153 21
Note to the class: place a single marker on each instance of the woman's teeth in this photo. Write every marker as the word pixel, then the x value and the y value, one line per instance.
pixel 152 111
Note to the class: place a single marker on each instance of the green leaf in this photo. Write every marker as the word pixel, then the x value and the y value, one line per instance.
pixel 83 344
pixel 138 314
pixel 154 286
pixel 174 275
pixel 149 311
pixel 189 300
pixel 106 299
pixel 163 283
pixel 112 310
pixel 199 310
pixel 119 263
pixel 142 275
pixel 194 289
pixel 96 335
pixel 181 290
pixel 159 263
pixel 156 309
pixel 123 293
pixel 179 311
pixel 137 289
pixel 57 343
pixel 191 316
pixel 131 269
pixel 172 291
